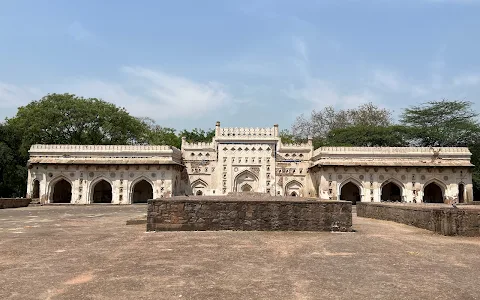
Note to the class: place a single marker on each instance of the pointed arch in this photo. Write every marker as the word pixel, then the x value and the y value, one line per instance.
pixel 36 189
pixel 246 177
pixel 102 193
pixel 293 187
pixel 61 193
pixel 351 189
pixel 141 189
pixel 434 191
pixel 199 182
pixel 392 189
pixel 198 187
pixel 246 172
pixel 293 182
pixel 246 187
pixel 461 192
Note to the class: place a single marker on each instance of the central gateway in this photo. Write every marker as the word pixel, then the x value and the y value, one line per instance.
pixel 248 160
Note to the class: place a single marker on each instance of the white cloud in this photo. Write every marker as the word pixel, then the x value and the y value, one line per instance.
pixel 466 80
pixel 13 96
pixel 386 80
pixel 176 95
pixel 144 93
pixel 301 48
pixel 318 92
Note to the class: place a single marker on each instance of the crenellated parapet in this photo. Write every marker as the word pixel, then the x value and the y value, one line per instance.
pixel 300 151
pixel 393 156
pixel 104 154
pixel 246 133
pixel 197 146
pixel 50 149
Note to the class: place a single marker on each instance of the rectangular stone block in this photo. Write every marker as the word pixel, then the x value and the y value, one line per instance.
pixel 240 213
pixel 14 202
pixel 440 218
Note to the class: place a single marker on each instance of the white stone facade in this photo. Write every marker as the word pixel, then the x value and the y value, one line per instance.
pixel 248 159
pixel 119 168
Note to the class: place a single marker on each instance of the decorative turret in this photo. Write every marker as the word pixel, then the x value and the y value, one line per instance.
pixel 217 128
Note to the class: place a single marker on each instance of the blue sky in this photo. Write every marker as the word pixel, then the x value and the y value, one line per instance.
pixel 245 63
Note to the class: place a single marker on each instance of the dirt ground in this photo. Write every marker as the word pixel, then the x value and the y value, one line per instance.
pixel 87 252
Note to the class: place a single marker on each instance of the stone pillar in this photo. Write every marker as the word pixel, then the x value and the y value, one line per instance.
pixel 275 130
pixel 184 140
pixel 29 184
pixel 217 129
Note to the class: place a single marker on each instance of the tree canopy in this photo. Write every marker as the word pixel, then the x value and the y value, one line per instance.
pixel 68 119
pixel 442 123
pixel 13 170
pixel 320 123
pixel 198 135
pixel 369 136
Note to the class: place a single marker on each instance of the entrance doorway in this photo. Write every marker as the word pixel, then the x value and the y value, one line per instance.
pixel 391 192
pixel 36 189
pixel 246 188
pixel 461 193
pixel 432 193
pixel 102 192
pixel 62 192
pixel 350 192
pixel 142 191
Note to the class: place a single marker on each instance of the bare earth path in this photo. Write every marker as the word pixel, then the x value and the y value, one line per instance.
pixel 87 252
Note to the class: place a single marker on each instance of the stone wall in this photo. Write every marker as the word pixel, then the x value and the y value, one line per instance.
pixel 440 218
pixel 236 212
pixel 14 202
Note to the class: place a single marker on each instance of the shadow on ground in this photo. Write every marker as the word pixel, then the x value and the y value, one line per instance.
pixel 88 252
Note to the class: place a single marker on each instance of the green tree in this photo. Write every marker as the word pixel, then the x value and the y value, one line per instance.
pixel 12 165
pixel 320 123
pixel 447 124
pixel 68 119
pixel 61 119
pixel 369 136
pixel 475 149
pixel 442 123
pixel 287 137
pixel 198 135
pixel 158 135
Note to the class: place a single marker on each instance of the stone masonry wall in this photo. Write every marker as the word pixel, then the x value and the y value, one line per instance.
pixel 14 202
pixel 440 218
pixel 248 213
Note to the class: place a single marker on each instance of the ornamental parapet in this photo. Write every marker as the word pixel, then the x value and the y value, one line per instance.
pixel 392 156
pixel 104 154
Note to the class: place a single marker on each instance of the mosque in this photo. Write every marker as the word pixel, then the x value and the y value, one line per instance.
pixel 247 160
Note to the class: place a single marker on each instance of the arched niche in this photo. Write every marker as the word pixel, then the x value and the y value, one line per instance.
pixel 36 189
pixel 461 192
pixel 246 181
pixel 101 191
pixel 199 186
pixel 433 192
pixel 61 191
pixel 350 190
pixel 142 190
pixel 246 187
pixel 391 191
pixel 293 188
